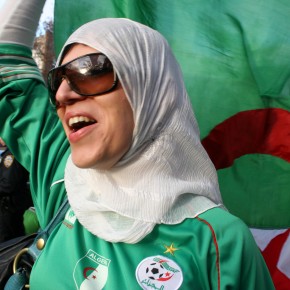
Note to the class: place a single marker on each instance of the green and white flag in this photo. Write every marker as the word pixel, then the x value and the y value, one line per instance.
pixel 235 57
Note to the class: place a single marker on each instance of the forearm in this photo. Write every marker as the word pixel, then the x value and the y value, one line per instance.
pixel 19 21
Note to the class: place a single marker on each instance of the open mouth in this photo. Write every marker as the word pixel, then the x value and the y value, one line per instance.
pixel 77 123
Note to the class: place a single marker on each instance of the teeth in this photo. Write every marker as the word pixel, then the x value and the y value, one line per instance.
pixel 78 119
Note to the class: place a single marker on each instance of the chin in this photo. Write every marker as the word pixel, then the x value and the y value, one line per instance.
pixel 81 162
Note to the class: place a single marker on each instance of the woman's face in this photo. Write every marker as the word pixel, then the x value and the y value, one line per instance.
pixel 99 128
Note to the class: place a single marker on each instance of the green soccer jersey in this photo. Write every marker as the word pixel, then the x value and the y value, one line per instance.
pixel 199 253
pixel 213 251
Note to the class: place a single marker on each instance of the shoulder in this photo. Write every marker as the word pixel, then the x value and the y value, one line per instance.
pixel 225 228
pixel 219 220
pixel 217 228
pixel 235 250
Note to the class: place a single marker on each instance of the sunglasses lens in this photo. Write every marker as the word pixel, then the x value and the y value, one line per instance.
pixel 88 75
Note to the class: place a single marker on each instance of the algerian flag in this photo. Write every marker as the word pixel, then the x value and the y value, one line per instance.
pixel 235 56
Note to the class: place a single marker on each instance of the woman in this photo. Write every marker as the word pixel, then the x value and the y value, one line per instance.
pixel 145 205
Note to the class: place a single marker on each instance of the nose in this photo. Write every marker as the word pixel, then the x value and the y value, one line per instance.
pixel 65 95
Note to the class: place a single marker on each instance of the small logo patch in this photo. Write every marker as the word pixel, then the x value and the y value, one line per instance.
pixel 91 271
pixel 69 219
pixel 8 160
pixel 159 272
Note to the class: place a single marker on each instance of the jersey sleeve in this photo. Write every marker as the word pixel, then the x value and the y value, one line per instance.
pixel 235 260
pixel 31 129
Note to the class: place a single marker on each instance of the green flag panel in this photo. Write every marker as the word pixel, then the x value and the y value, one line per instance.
pixel 258 192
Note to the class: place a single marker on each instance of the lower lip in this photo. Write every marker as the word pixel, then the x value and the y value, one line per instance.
pixel 75 137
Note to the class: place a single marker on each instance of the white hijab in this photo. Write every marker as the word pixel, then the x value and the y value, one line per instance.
pixel 166 176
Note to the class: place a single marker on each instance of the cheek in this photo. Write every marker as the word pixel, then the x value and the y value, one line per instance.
pixel 126 132
pixel 129 126
pixel 60 113
pixel 121 125
pixel 126 117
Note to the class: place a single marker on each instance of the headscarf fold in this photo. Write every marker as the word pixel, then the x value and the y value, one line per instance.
pixel 166 176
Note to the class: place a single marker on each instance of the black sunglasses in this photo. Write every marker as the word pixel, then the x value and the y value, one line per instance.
pixel 88 75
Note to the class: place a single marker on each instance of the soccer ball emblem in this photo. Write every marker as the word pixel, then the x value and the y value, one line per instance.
pixel 155 271
pixel 159 272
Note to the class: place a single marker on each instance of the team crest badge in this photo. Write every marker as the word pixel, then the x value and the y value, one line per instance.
pixel 8 160
pixel 159 272
pixel 91 271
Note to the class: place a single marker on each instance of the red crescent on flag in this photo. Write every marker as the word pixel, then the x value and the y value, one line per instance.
pixel 264 131
pixel 88 269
